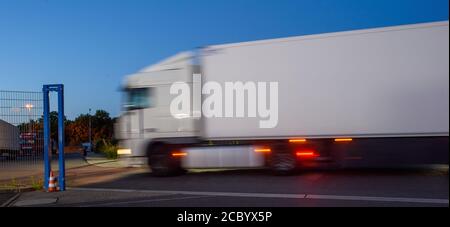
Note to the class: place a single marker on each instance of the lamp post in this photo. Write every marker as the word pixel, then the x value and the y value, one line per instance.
pixel 90 132
pixel 29 107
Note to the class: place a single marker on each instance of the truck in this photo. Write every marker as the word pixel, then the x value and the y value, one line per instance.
pixel 364 98
pixel 31 143
pixel 9 140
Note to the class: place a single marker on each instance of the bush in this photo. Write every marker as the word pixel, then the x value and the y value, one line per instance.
pixel 110 151
pixel 107 148
pixel 37 184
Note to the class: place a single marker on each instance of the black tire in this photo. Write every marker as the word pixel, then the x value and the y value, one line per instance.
pixel 284 163
pixel 162 163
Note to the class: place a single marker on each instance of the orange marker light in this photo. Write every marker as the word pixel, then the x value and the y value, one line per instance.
pixel 308 154
pixel 179 154
pixel 297 141
pixel 343 140
pixel 263 150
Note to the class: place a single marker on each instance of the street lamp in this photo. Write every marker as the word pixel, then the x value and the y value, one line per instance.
pixel 29 106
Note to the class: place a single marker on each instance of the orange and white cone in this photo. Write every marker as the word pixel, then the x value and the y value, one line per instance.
pixel 52 183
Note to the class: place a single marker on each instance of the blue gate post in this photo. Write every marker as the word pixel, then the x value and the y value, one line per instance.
pixel 62 168
pixel 47 161
pixel 47 164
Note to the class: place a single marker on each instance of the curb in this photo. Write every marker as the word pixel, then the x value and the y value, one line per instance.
pixel 100 161
pixel 90 162
pixel 20 189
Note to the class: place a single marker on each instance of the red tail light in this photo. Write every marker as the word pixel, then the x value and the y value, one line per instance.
pixel 306 154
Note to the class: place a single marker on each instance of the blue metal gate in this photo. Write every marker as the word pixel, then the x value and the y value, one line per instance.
pixel 59 88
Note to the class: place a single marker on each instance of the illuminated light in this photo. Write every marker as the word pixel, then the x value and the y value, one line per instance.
pixel 297 141
pixel 179 154
pixel 29 106
pixel 343 140
pixel 123 151
pixel 263 150
pixel 306 154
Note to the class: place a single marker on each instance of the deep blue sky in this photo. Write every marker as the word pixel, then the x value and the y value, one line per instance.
pixel 89 45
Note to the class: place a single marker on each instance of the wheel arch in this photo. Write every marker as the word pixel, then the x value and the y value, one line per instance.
pixel 151 144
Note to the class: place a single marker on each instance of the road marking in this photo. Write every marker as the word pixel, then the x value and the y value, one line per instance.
pixel 284 196
pixel 232 194
pixel 143 201
pixel 379 199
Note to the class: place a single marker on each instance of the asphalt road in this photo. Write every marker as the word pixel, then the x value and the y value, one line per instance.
pixel 258 188
pixel 5 196
pixel 250 188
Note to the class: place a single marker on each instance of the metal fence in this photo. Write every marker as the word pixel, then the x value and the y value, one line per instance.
pixel 21 132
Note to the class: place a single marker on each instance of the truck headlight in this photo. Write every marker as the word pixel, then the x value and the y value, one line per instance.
pixel 123 151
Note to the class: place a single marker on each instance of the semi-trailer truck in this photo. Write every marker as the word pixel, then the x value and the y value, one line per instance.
pixel 374 97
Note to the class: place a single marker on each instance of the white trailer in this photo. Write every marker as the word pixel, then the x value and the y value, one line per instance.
pixel 9 139
pixel 376 96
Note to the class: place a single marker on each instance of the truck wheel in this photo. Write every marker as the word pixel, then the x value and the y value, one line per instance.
pixel 162 163
pixel 284 163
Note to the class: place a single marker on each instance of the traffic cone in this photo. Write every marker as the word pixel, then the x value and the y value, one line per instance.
pixel 52 183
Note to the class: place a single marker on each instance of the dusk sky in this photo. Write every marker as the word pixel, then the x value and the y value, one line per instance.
pixel 90 45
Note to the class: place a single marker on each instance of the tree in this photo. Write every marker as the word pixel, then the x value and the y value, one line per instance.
pixel 102 125
pixel 37 126
pixel 77 131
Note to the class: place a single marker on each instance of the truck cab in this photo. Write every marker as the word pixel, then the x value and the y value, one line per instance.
pixel 146 119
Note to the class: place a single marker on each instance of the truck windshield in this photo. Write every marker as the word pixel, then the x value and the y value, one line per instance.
pixel 138 98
